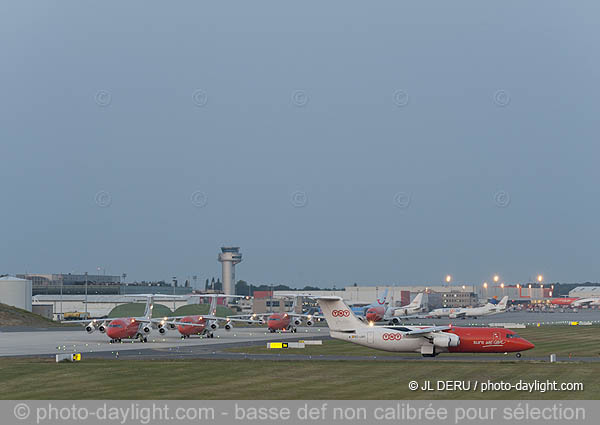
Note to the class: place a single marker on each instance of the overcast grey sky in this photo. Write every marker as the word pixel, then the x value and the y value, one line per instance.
pixel 335 142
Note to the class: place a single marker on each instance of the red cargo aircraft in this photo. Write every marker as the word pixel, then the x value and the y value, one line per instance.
pixel 376 311
pixel 126 327
pixel 429 341
pixel 202 325
pixel 563 301
pixel 282 321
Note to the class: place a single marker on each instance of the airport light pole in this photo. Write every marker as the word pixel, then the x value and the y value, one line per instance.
pixel 61 298
pixel 86 295
pixel 174 286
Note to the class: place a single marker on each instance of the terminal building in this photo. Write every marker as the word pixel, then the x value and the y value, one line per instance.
pixel 453 296
pixel 436 296
pixel 71 282
pixel 517 293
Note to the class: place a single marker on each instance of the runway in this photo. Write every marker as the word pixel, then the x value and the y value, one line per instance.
pixel 39 342
pixel 50 342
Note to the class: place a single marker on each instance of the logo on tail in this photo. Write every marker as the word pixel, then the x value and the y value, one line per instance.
pixel 338 315
pixel 384 300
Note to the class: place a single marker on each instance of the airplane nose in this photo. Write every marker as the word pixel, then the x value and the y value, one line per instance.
pixel 527 345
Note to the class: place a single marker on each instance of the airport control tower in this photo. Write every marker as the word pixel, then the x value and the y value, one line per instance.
pixel 229 257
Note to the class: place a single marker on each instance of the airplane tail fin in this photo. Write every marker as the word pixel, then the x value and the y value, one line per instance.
pixel 338 315
pixel 502 303
pixel 212 309
pixel 383 299
pixel 417 302
pixel 149 307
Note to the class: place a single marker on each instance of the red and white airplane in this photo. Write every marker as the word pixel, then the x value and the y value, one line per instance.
pixel 576 301
pixel 379 309
pixel 126 327
pixel 429 341
pixel 283 321
pixel 563 301
pixel 202 325
pixel 587 301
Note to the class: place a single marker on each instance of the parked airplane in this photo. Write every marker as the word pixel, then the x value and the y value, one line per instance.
pixel 563 301
pixel 429 341
pixel 377 310
pixel 588 301
pixel 474 312
pixel 395 314
pixel 203 325
pixel 282 321
pixel 121 328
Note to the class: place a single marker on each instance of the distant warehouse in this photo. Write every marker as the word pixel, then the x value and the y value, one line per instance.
pixel 15 292
pixel 585 292
pixel 71 283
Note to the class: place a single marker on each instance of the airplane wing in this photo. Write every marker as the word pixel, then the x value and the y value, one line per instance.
pixel 175 323
pixel 428 330
pixel 86 321
pixel 249 316
pixel 206 317
pixel 236 319
pixel 308 316
pixel 411 316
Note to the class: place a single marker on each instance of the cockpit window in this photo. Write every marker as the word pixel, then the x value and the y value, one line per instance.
pixel 512 336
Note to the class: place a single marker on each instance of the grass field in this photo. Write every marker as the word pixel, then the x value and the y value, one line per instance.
pixel 564 341
pixel 251 379
pixel 315 379
pixel 12 316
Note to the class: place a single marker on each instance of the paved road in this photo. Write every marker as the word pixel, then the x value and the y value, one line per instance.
pixel 216 352
pixel 50 342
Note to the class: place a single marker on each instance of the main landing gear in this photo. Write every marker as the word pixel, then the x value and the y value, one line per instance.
pixel 142 338
pixel 114 341
pixel 518 355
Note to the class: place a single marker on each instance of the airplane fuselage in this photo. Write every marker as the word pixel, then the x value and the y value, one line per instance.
pixel 375 314
pixel 187 330
pixel 123 328
pixel 278 321
pixel 455 340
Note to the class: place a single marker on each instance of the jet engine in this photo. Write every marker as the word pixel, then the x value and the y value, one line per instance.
pixel 162 329
pixel 102 328
pixel 214 326
pixel 297 322
pixel 90 328
pixel 228 326
pixel 310 322
pixel 261 321
pixel 146 329
pixel 446 340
